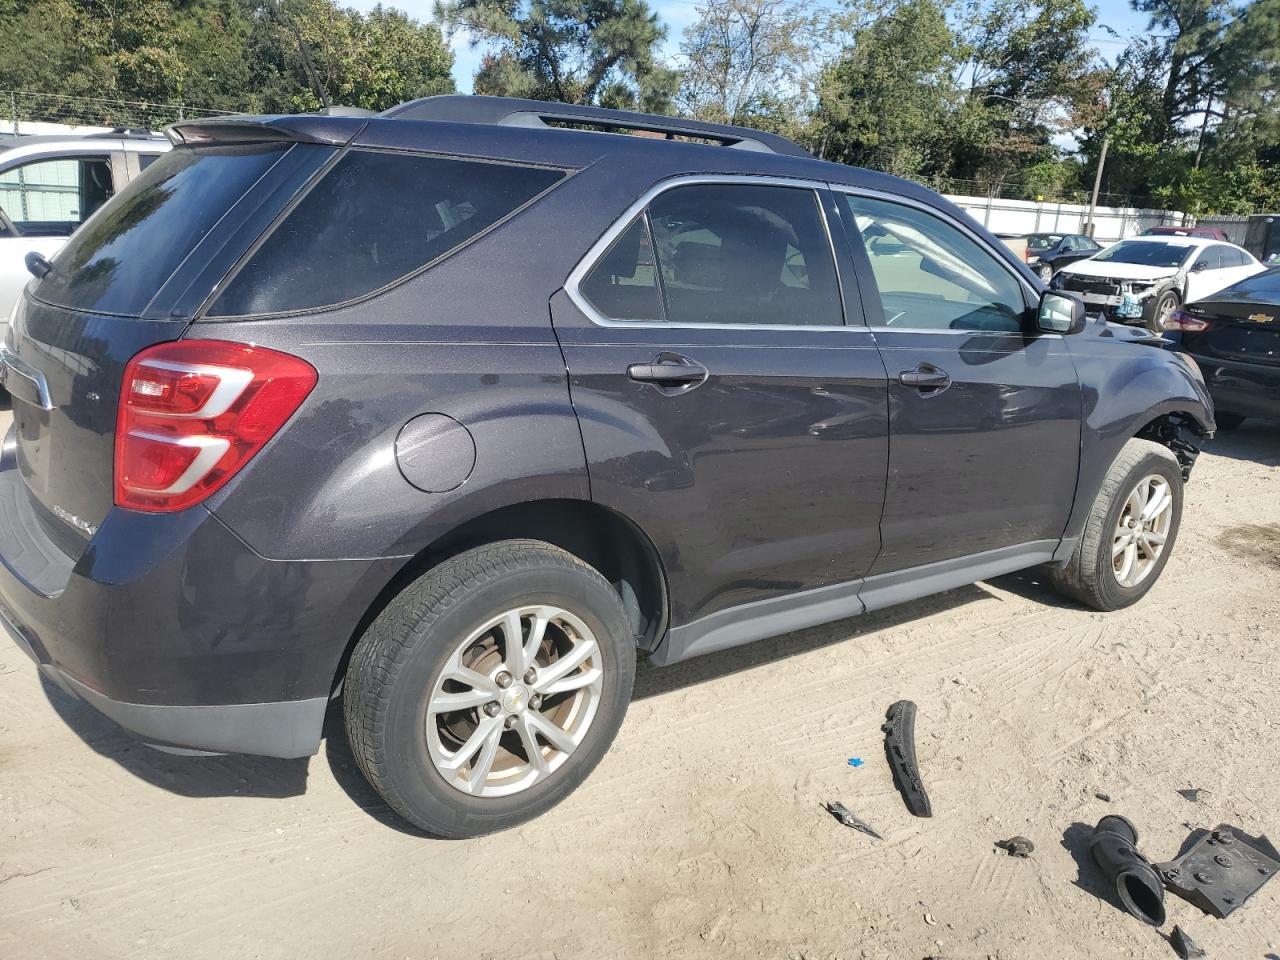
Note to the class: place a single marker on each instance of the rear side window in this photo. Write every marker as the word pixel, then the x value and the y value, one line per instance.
pixel 121 259
pixel 743 254
pixel 373 219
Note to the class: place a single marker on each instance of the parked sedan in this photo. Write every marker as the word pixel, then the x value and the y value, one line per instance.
pixel 1234 336
pixel 1143 279
pixel 1209 233
pixel 1047 253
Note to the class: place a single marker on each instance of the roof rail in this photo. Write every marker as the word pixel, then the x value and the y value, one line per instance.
pixel 126 133
pixel 515 112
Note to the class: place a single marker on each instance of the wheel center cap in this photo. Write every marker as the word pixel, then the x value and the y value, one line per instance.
pixel 515 698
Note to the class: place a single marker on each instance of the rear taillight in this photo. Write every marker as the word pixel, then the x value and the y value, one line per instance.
pixel 193 412
pixel 1181 320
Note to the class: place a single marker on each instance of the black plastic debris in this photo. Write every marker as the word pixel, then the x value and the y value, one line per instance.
pixel 900 748
pixel 1104 797
pixel 1185 947
pixel 1017 847
pixel 1192 795
pixel 851 819
pixel 1221 869
pixel 1135 880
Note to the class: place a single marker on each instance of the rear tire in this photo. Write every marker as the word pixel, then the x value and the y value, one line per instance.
pixel 1228 421
pixel 1097 575
pixel 443 731
pixel 1045 272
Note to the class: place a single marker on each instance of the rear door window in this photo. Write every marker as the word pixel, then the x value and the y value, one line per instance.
pixel 743 254
pixel 53 196
pixel 372 220
pixel 121 260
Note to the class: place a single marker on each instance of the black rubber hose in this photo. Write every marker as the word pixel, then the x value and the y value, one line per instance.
pixel 1114 850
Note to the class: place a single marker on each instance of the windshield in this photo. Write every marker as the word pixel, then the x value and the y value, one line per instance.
pixel 1043 241
pixel 1147 253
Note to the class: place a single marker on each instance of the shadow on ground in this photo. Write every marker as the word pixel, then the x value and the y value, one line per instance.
pixel 212 776
pixel 1254 440
pixel 265 777
pixel 1088 877
pixel 652 681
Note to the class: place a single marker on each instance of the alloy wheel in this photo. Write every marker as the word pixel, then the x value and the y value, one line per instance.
pixel 1142 530
pixel 514 701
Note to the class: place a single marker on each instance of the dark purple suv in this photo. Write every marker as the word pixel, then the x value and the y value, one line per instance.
pixel 451 413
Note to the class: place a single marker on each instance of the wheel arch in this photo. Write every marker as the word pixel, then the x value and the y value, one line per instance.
pixel 597 535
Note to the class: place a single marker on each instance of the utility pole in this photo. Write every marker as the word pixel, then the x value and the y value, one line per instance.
pixel 1091 227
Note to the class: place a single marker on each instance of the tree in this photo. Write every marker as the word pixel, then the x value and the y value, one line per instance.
pixel 1030 72
pixel 885 101
pixel 588 51
pixel 750 62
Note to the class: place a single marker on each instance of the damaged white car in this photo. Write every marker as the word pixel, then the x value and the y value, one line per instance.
pixel 1142 280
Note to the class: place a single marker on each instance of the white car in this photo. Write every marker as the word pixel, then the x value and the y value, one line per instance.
pixel 50 185
pixel 1141 280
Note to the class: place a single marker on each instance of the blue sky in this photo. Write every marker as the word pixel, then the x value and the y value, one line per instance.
pixel 678 14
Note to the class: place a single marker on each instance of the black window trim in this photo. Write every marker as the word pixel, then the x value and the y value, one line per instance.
pixel 641 206
pixel 1030 295
pixel 203 313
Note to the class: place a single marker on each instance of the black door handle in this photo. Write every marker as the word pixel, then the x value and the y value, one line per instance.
pixel 675 373
pixel 925 377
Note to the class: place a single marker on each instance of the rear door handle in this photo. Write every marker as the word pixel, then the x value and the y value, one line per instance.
pixel 925 377
pixel 668 373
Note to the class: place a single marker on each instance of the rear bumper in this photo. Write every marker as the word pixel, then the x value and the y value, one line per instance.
pixel 1248 389
pixel 174 628
pixel 285 729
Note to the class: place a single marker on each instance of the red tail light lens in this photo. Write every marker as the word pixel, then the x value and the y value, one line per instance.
pixel 1181 320
pixel 193 412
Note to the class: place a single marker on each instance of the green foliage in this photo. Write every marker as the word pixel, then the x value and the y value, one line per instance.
pixel 236 55
pixel 574 51
pixel 884 103
pixel 751 62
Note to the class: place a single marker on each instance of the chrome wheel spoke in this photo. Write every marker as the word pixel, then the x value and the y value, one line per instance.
pixel 1126 564
pixel 582 651
pixel 1155 537
pixel 557 737
pixel 479 772
pixel 486 728
pixel 1160 501
pixel 575 681
pixel 1121 543
pixel 465 700
pixel 532 749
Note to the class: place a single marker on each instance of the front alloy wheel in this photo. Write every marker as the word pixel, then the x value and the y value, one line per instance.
pixel 1142 530
pixel 1130 530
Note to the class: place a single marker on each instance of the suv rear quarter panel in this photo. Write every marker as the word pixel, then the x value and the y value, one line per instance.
pixel 470 338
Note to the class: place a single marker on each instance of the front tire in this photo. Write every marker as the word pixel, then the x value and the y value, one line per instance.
pixel 490 687
pixel 1164 305
pixel 1046 272
pixel 1130 531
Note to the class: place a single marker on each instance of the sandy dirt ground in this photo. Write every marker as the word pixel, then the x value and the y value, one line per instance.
pixel 701 833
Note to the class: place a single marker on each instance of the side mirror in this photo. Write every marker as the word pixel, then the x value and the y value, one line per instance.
pixel 1200 265
pixel 1060 312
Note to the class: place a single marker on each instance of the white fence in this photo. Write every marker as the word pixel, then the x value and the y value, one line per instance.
pixel 1030 216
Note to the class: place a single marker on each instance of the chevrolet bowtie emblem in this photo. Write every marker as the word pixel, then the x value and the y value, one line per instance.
pixel 1260 318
